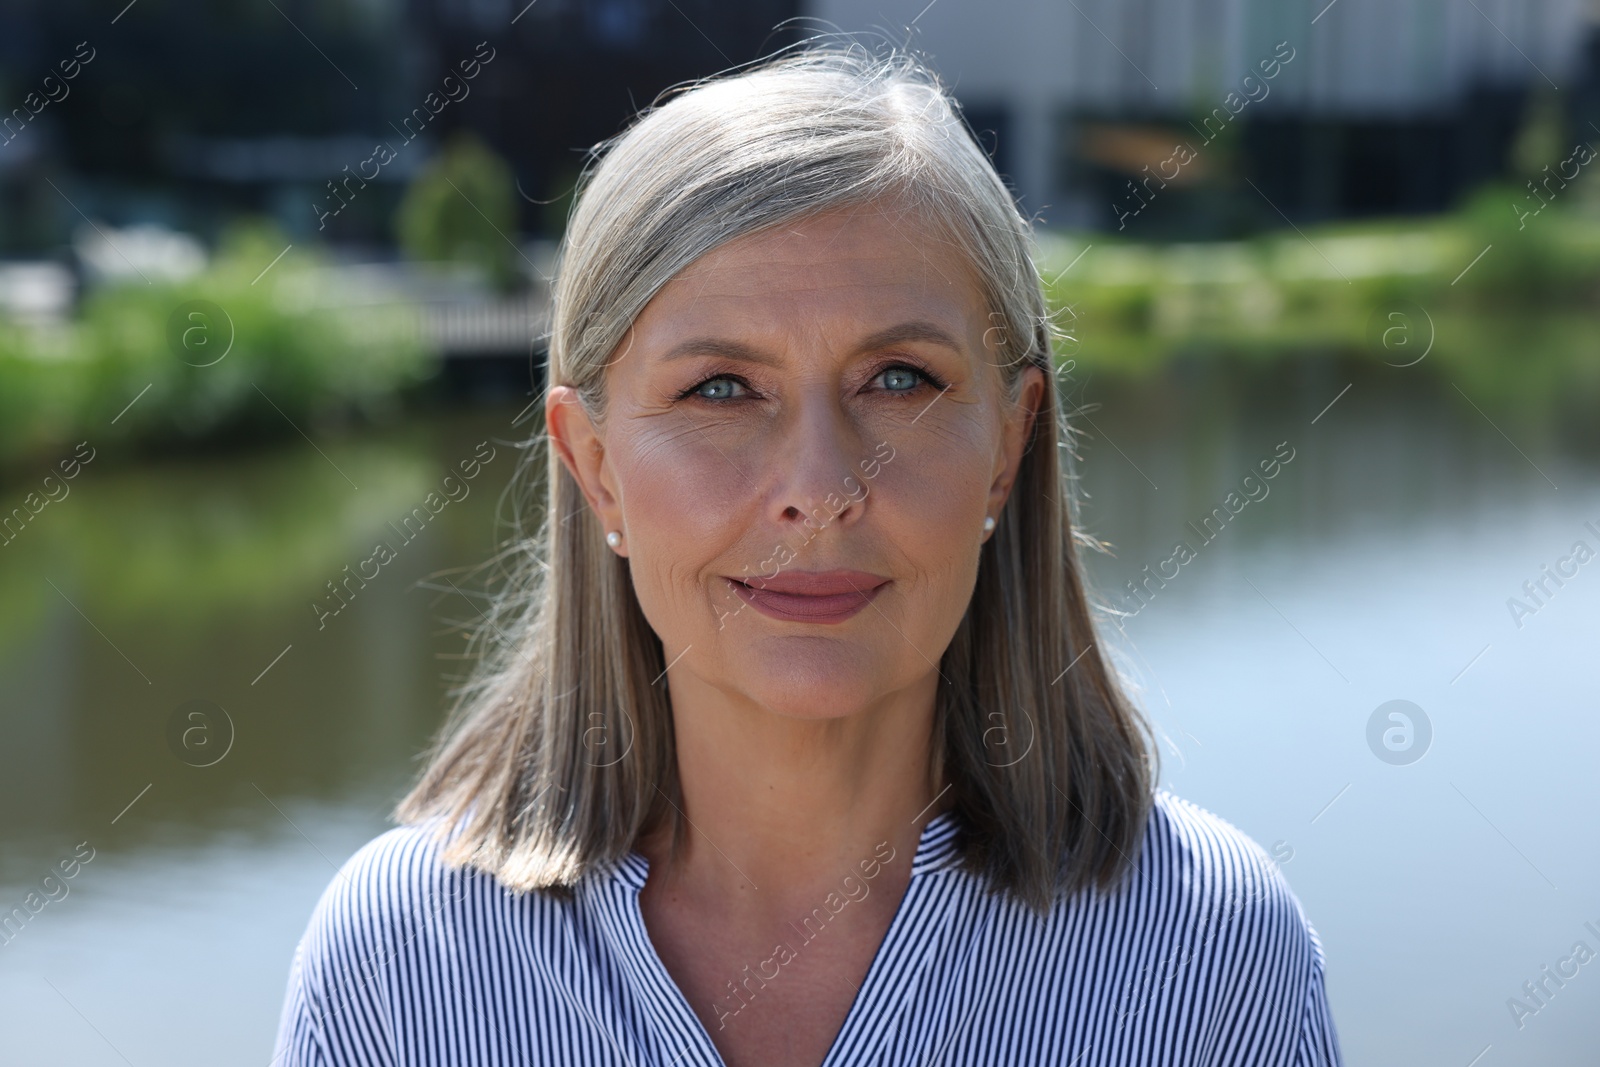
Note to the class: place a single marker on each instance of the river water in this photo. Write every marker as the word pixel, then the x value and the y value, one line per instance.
pixel 1445 857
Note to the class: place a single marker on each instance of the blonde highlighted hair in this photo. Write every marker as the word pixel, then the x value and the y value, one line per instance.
pixel 558 753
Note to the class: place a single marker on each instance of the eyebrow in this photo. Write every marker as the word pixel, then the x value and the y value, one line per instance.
pixel 916 330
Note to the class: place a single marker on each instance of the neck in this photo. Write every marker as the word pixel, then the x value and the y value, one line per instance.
pixel 779 807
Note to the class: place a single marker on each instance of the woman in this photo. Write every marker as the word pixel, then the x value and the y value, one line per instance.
pixel 795 743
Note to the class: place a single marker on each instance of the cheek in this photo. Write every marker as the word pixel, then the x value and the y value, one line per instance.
pixel 938 482
pixel 685 484
pixel 918 521
pixel 927 505
pixel 682 499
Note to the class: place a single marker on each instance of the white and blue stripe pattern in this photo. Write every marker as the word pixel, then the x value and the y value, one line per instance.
pixel 1203 958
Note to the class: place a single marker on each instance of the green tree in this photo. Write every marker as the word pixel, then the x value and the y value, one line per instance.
pixel 462 208
pixel 1540 140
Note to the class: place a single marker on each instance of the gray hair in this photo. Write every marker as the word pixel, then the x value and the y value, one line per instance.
pixel 554 762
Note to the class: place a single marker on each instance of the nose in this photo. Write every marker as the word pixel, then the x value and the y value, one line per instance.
pixel 820 483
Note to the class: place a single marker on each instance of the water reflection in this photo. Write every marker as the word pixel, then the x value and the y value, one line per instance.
pixel 1375 566
pixel 153 586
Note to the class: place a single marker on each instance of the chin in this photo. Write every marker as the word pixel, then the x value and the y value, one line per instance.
pixel 800 686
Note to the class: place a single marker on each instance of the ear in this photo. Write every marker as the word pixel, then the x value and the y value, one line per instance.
pixel 582 452
pixel 1018 431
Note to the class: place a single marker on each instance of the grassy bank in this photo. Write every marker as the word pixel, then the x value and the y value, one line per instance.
pixel 1509 310
pixel 230 353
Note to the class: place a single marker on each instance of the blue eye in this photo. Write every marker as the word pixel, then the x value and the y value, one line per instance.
pixel 904 380
pixel 909 377
pixel 720 381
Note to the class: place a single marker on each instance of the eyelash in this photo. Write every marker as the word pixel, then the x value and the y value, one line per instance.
pixel 928 377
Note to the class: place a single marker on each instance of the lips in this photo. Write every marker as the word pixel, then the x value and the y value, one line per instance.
pixel 823 596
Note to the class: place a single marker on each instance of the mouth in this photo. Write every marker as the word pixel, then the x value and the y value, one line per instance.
pixel 828 597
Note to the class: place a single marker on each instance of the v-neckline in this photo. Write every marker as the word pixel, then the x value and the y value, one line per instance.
pixel 856 1038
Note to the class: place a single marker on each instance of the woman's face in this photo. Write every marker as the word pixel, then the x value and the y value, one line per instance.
pixel 817 403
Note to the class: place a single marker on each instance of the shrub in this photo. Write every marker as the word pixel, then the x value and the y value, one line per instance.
pixel 462 208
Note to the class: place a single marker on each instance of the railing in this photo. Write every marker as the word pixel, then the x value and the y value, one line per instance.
pixel 486 328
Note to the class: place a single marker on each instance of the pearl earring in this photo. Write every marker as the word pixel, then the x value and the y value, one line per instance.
pixel 613 539
pixel 988 524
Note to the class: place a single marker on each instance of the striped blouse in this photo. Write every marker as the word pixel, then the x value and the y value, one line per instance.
pixel 1202 957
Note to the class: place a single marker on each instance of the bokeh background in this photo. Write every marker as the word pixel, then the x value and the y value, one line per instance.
pixel 271 269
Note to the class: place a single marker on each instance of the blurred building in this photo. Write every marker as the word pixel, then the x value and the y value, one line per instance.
pixel 569 73
pixel 192 112
pixel 1386 105
pixel 185 113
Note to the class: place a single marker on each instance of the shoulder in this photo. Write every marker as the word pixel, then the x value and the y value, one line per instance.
pixel 1184 837
pixel 370 921
pixel 390 892
pixel 392 911
pixel 1205 848
pixel 1244 917
pixel 1234 906
pixel 1213 864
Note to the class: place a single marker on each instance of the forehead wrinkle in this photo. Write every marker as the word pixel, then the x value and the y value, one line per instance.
pixel 851 211
pixel 803 305
pixel 689 274
pixel 893 213
pixel 714 260
pixel 920 246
